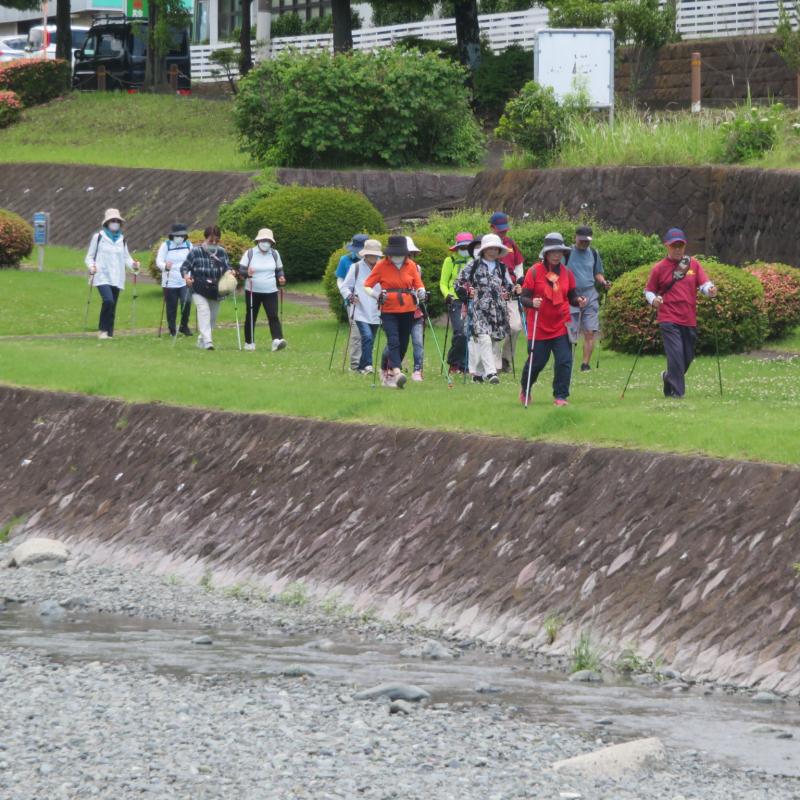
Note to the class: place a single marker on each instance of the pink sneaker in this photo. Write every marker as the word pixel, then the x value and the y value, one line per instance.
pixel 522 398
pixel 559 401
pixel 416 375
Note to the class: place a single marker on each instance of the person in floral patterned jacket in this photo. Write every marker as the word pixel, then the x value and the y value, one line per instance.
pixel 485 286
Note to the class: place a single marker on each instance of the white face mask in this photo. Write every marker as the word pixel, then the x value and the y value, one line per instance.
pixel 264 247
pixel 463 252
pixel 398 260
pixel 179 240
pixel 114 226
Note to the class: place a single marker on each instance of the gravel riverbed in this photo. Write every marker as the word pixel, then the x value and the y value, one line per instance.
pixel 78 729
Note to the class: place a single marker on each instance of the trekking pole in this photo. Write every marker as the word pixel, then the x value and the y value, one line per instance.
pixel 252 318
pixel 133 304
pixel 281 311
pixel 446 331
pixel 163 306
pixel 375 365
pixel 236 317
pixel 88 302
pixel 436 341
pixel 335 339
pixel 638 353
pixel 349 334
pixel 716 347
pixel 600 299
pixel 466 342
pixel 530 358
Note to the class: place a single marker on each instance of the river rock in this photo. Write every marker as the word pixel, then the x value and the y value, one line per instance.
pixel 38 550
pixel 669 673
pixel 400 707
pixel 767 729
pixel 616 761
pixel 296 671
pixel 586 676
pixel 765 697
pixel 394 691
pixel 429 649
pixel 487 688
pixel 321 644
pixel 51 609
pixel 645 679
pixel 204 639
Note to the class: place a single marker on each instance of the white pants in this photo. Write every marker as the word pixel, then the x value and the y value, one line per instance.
pixel 354 353
pixel 510 342
pixel 207 311
pixel 483 355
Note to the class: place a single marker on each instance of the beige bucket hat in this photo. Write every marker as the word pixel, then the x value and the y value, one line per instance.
pixel 111 214
pixel 372 247
pixel 264 234
pixel 492 240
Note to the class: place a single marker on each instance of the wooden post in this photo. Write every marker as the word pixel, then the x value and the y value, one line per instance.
pixel 173 77
pixel 695 83
pixel 101 78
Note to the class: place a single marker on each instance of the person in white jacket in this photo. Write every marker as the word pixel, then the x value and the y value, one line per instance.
pixel 263 269
pixel 106 259
pixel 366 314
pixel 169 258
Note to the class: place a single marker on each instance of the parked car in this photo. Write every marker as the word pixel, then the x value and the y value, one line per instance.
pixel 12 48
pixel 119 43
pixel 35 46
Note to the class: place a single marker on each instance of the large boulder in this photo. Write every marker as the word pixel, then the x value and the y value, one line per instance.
pixel 616 761
pixel 36 551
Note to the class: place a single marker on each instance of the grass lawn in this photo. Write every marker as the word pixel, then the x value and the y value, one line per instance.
pixel 755 419
pixel 127 130
pixel 58 258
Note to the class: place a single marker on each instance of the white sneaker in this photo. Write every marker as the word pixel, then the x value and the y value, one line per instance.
pixel 278 344
pixel 103 335
pixel 416 375
pixel 200 343
pixel 368 370
pixel 251 346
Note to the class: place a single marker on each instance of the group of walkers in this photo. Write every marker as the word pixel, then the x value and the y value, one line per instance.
pixel 489 296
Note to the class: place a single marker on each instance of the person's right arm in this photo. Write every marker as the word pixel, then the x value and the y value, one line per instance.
pixel 527 298
pixel 89 260
pixel 651 289
pixel 243 268
pixel 348 284
pixel 161 257
pixel 447 274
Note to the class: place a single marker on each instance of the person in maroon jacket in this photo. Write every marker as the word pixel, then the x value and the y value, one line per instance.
pixel 548 291
pixel 672 289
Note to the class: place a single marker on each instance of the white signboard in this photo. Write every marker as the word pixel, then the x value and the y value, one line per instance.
pixel 569 59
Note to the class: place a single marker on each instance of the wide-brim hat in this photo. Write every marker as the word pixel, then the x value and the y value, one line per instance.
pixel 492 240
pixel 412 248
pixel 397 246
pixel 112 214
pixel 178 229
pixel 463 239
pixel 553 241
pixel 357 242
pixel 372 247
pixel 264 235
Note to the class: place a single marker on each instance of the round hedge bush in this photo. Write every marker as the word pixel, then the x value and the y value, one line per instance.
pixel 781 296
pixel 737 314
pixel 10 108
pixel 308 224
pixel 434 252
pixel 16 239
pixel 233 243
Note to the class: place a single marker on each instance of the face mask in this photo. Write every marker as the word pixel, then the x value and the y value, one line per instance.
pixel 264 247
pixel 114 226
pixel 179 240
pixel 398 260
pixel 463 252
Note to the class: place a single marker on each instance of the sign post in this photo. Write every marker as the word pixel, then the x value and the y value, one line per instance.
pixel 41 231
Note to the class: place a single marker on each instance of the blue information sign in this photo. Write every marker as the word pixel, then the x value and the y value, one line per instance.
pixel 41 220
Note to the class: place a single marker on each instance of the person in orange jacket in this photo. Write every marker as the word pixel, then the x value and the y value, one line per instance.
pixel 396 281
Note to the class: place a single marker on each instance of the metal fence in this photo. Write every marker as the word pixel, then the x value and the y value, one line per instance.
pixel 713 18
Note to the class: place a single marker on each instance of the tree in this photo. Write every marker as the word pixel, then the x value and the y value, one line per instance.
pixel 163 17
pixel 577 13
pixel 342 26
pixel 396 12
pixel 245 48
pixel 789 41
pixel 468 33
pixel 64 30
pixel 21 5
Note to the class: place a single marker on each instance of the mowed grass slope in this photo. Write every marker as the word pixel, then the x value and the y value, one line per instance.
pixel 127 130
pixel 756 419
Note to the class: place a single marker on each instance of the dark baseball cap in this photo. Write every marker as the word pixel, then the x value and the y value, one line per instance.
pixel 583 232
pixel 499 220
pixel 674 235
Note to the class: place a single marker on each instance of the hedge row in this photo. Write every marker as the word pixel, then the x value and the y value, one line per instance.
pixel 16 239
pixel 10 108
pixel 781 285
pixel 36 80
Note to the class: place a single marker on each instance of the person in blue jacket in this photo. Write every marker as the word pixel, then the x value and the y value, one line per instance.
pixel 345 262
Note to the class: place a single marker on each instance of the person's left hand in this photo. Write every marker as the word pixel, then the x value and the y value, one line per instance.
pixel 712 292
pixel 136 265
pixel 517 288
pixel 281 281
pixel 582 301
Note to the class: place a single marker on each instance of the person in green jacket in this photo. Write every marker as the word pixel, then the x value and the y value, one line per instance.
pixel 451 266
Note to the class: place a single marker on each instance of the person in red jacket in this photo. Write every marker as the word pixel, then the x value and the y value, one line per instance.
pixel 548 291
pixel 672 289
pixel 397 282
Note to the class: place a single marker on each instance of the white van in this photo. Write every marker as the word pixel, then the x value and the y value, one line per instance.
pixel 35 47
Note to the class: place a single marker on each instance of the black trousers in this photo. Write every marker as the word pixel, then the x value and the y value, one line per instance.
pixel 254 300
pixel 171 297
pixel 562 356
pixel 679 342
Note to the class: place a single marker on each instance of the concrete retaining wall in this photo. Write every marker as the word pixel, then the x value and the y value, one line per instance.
pixel 735 213
pixel 685 558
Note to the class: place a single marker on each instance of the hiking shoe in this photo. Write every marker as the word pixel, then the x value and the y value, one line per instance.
pixel 400 379
pixel 585 367
pixel 522 398
pixel 200 343
pixel 368 370
pixel 103 335
pixel 560 401
pixel 477 379
pixel 416 375
pixel 506 366
pixel 278 344
pixel 492 379
pixel 454 370
pixel 209 345
pixel 185 330
pixel 251 346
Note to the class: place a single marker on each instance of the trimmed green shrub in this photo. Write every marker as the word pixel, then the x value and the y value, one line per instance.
pixel 10 108
pixel 434 252
pixel 36 80
pixel 751 133
pixel 577 13
pixel 781 285
pixel 737 316
pixel 231 216
pixel 16 239
pixel 499 77
pixel 534 122
pixel 392 107
pixel 309 223
pixel 623 251
pixel 233 243
pixel 445 49
pixel 286 25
